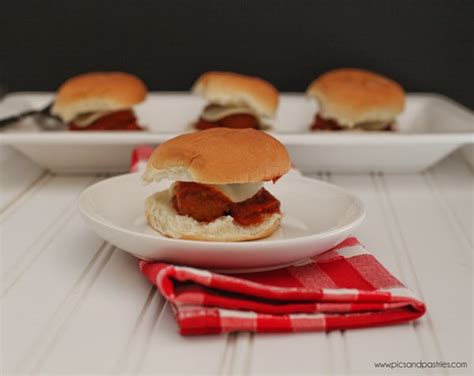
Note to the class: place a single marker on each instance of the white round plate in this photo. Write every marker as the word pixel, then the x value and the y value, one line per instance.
pixel 317 216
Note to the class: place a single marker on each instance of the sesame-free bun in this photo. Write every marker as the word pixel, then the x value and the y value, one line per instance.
pixel 219 156
pixel 98 92
pixel 226 88
pixel 162 217
pixel 352 96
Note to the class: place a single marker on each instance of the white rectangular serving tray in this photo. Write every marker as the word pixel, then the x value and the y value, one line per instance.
pixel 431 127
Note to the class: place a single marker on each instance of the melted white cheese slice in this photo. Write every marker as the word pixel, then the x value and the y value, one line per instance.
pixel 84 120
pixel 239 192
pixel 215 113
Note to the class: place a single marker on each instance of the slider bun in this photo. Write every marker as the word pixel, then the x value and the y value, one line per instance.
pixel 98 91
pixel 162 217
pixel 352 96
pixel 225 88
pixel 219 156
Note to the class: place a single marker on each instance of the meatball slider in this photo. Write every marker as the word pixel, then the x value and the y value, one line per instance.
pixel 100 101
pixel 235 101
pixel 218 193
pixel 356 99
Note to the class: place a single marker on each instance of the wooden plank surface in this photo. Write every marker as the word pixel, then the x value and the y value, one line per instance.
pixel 377 234
pixel 71 303
pixel 18 175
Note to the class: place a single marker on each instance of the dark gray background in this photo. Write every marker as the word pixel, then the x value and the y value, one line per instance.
pixel 425 45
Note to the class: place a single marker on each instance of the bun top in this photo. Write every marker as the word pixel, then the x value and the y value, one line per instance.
pixel 225 88
pixel 351 96
pixel 219 156
pixel 98 92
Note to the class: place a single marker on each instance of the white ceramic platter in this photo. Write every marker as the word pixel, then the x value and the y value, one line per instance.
pixel 431 127
pixel 317 216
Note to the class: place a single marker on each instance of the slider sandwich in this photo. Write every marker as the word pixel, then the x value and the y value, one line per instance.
pixel 235 101
pixel 100 101
pixel 356 99
pixel 218 192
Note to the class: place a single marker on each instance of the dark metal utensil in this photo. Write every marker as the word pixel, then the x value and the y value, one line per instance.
pixel 46 120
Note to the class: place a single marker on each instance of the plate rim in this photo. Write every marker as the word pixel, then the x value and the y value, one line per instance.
pixel 289 139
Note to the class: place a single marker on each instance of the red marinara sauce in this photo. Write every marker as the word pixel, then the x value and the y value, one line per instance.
pixel 205 203
pixel 236 121
pixel 116 121
pixel 322 124
pixel 255 209
pixel 199 201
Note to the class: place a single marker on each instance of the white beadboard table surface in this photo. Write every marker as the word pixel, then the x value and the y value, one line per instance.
pixel 73 304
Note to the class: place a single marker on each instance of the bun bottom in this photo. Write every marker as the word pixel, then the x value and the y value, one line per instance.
pixel 162 217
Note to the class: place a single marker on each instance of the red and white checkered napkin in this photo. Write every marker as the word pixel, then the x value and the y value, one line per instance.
pixel 345 287
pixel 139 158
